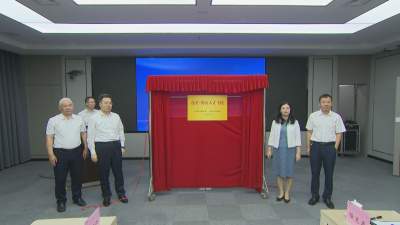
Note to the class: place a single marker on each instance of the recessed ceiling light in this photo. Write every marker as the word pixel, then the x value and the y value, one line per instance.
pixel 273 2
pixel 135 2
pixel 21 13
pixel 198 28
pixel 379 13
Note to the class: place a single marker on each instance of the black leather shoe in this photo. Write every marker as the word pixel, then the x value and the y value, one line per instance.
pixel 123 199
pixel 286 200
pixel 61 207
pixel 80 202
pixel 107 201
pixel 328 202
pixel 313 200
pixel 278 199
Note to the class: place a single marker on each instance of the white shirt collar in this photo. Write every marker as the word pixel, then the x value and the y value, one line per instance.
pixel 88 111
pixel 321 113
pixel 103 114
pixel 65 118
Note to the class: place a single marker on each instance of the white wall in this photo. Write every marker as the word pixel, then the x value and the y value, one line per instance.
pixel 396 158
pixel 322 79
pixel 385 70
pixel 356 70
pixel 43 84
pixel 79 86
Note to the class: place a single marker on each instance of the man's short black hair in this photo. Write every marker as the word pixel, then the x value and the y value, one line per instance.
pixel 104 96
pixel 325 96
pixel 88 98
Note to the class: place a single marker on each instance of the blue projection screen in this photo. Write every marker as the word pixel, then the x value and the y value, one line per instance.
pixel 187 66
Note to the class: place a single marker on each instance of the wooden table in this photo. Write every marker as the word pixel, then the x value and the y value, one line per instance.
pixel 337 217
pixel 109 220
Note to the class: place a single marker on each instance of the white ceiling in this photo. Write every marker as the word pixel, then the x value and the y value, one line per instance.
pixel 22 39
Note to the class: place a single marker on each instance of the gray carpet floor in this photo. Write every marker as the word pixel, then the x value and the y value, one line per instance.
pixel 27 194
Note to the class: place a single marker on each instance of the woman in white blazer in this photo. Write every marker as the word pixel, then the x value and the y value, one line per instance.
pixel 284 144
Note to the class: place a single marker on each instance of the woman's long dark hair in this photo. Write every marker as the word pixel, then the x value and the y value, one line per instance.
pixel 279 118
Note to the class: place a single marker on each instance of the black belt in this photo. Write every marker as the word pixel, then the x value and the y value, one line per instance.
pixel 107 142
pixel 324 143
pixel 67 149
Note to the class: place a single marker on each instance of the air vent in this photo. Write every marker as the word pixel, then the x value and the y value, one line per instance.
pixel 357 2
pixel 46 2
pixel 9 34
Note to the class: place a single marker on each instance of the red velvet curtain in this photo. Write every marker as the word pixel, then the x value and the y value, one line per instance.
pixel 207 153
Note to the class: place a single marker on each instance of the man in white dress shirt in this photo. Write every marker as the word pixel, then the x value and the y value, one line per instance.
pixel 106 140
pixel 324 134
pixel 89 170
pixel 89 111
pixel 64 134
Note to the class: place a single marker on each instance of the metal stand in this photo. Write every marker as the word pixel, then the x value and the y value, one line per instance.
pixel 151 196
pixel 264 190
pixel 350 140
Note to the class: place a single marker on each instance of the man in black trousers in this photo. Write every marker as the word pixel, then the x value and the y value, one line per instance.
pixel 324 134
pixel 107 145
pixel 64 134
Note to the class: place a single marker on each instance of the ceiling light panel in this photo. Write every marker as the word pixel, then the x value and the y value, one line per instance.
pixel 135 2
pixel 20 13
pixel 381 12
pixel 199 28
pixel 273 2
